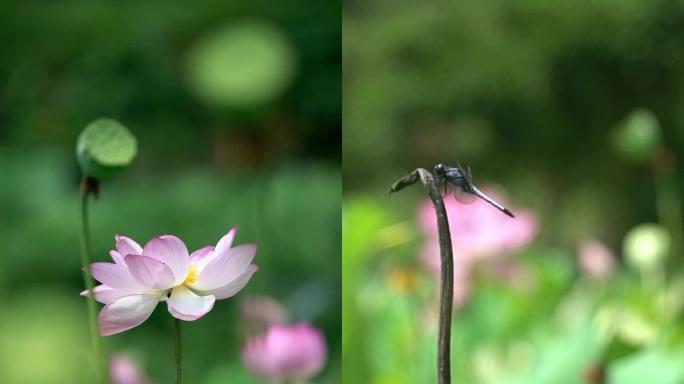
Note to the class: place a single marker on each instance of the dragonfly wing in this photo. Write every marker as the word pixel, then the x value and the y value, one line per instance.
pixel 458 185
pixel 462 196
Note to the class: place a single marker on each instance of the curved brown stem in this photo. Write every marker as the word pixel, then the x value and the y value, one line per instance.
pixel 446 272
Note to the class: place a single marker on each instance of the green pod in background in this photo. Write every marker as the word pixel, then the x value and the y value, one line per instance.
pixel 242 66
pixel 646 246
pixel 104 148
pixel 638 137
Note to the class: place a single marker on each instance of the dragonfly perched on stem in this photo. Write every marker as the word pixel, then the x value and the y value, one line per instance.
pixel 460 181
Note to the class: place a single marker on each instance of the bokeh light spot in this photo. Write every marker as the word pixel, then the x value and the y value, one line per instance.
pixel 241 65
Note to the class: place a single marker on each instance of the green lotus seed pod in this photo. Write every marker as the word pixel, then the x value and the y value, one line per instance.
pixel 104 148
pixel 646 246
pixel 242 66
pixel 637 137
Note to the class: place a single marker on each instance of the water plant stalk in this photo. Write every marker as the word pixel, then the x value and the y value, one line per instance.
pixel 177 332
pixel 88 188
pixel 446 271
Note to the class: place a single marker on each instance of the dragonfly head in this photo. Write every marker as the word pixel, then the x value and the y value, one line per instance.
pixel 439 170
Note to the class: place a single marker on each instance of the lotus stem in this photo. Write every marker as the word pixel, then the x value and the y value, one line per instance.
pixel 446 271
pixel 88 187
pixel 177 327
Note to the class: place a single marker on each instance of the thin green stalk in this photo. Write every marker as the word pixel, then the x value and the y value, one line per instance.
pixel 86 260
pixel 177 325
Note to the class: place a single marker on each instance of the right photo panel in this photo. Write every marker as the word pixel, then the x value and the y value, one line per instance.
pixel 512 192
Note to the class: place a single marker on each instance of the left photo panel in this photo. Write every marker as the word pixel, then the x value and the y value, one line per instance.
pixel 170 192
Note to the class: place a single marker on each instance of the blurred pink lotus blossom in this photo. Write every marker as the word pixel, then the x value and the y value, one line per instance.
pixel 478 232
pixel 596 260
pixel 285 353
pixel 163 270
pixel 123 370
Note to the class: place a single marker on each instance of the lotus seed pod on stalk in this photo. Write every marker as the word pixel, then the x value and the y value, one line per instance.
pixel 638 136
pixel 104 148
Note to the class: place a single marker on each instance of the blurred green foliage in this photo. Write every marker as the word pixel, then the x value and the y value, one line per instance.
pixel 547 101
pixel 271 168
pixel 555 327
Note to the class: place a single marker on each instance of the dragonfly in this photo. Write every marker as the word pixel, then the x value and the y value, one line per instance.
pixel 460 181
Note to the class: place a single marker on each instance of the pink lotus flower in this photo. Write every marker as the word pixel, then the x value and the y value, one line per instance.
pixel 163 270
pixel 123 370
pixel 286 352
pixel 478 232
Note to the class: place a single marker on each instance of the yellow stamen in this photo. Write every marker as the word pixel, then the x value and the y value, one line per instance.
pixel 192 275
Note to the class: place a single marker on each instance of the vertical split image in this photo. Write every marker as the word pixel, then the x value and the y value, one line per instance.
pixel 328 192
